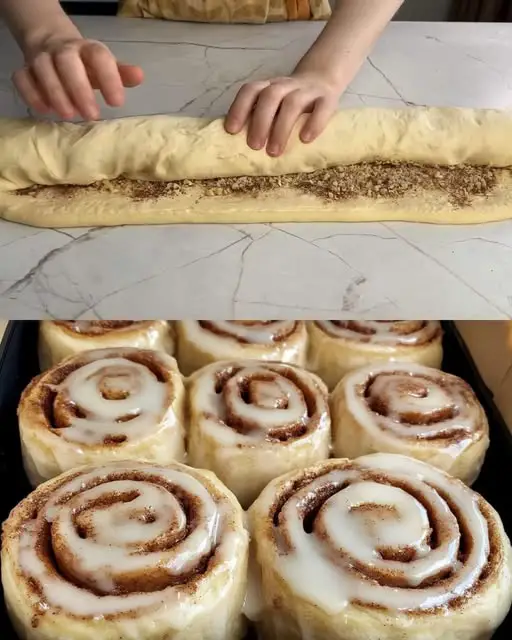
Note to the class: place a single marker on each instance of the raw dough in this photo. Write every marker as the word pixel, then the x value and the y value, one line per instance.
pixel 173 148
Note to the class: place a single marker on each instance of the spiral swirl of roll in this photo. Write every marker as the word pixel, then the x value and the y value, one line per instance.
pixel 411 409
pixel 384 533
pixel 411 401
pixel 127 540
pixel 274 415
pixel 260 401
pixel 104 402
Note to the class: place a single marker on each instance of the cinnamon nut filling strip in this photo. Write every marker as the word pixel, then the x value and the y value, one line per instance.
pixel 383 531
pixel 122 537
pixel 414 402
pixel 252 331
pixel 251 401
pixel 388 333
pixel 107 396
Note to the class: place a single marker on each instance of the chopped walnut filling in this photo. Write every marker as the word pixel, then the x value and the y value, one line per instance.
pixel 460 183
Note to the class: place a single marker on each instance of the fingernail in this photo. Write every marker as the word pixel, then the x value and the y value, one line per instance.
pixel 306 137
pixel 256 145
pixel 273 150
pixel 92 113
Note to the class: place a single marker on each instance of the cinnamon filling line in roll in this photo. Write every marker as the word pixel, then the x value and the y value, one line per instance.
pixel 95 327
pixel 383 390
pixel 402 333
pixel 460 184
pixel 55 550
pixel 256 331
pixel 159 577
pixel 447 528
pixel 114 382
pixel 261 389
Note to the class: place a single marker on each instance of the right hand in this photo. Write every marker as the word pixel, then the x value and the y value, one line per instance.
pixel 272 108
pixel 60 76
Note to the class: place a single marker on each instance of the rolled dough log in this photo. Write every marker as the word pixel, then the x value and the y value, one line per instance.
pixel 174 148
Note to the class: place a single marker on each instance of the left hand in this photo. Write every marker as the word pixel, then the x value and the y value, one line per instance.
pixel 272 108
pixel 61 73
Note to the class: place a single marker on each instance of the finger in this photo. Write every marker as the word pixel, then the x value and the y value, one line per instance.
pixel 322 112
pixel 27 87
pixel 264 113
pixel 74 78
pixel 51 87
pixel 242 106
pixel 292 107
pixel 131 75
pixel 102 66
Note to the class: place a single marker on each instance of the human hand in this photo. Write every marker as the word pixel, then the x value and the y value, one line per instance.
pixel 60 76
pixel 272 108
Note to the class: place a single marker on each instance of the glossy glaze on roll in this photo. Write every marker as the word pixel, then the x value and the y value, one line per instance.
pixel 201 342
pixel 250 421
pixel 127 550
pixel 60 339
pixel 339 346
pixel 414 410
pixel 102 405
pixel 383 546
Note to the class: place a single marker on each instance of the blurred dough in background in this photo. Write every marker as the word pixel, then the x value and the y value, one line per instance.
pixel 231 11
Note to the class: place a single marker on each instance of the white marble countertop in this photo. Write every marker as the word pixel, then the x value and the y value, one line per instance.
pixel 279 270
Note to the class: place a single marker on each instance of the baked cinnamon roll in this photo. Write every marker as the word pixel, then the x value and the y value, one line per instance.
pixel 251 421
pixel 381 547
pixel 102 405
pixel 127 550
pixel 414 410
pixel 60 339
pixel 339 346
pixel 201 342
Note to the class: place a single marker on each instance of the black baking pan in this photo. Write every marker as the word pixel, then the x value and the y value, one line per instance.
pixel 18 365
